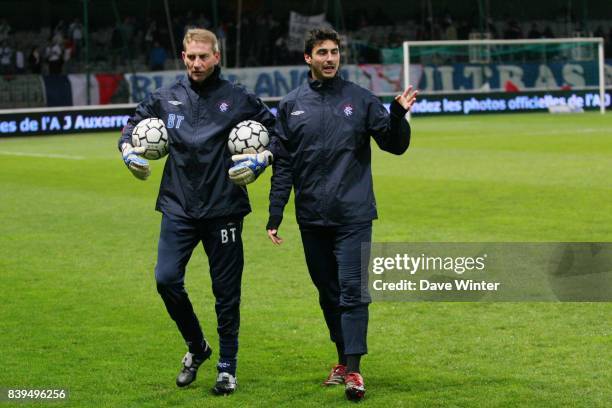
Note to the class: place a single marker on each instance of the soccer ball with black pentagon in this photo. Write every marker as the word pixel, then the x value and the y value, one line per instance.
pixel 152 134
pixel 248 137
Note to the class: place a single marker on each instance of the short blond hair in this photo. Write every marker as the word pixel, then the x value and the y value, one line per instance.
pixel 201 35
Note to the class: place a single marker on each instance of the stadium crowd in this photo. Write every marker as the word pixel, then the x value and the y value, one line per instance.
pixel 145 44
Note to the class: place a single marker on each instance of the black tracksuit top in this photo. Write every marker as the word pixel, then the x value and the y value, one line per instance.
pixel 322 150
pixel 195 183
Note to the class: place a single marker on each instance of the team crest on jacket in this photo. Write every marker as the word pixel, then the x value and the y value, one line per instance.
pixel 223 106
pixel 347 110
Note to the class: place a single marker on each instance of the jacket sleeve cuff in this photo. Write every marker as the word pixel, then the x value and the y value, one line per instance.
pixel 397 109
pixel 274 222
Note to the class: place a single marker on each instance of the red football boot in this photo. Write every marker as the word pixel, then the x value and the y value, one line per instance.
pixel 354 388
pixel 336 376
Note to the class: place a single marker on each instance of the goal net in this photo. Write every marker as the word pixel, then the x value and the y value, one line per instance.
pixel 550 67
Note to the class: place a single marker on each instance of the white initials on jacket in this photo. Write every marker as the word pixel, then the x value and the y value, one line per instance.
pixel 225 236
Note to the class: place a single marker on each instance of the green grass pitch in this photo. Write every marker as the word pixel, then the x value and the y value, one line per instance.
pixel 79 307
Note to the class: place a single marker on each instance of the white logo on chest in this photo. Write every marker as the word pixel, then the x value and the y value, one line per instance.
pixel 224 107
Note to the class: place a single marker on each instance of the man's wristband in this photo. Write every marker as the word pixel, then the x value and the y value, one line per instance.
pixel 274 222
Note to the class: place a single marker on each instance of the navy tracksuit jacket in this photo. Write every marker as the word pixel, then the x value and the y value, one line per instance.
pixel 322 151
pixel 199 119
pixel 198 201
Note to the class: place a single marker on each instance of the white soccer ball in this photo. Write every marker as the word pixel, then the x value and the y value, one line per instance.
pixel 248 137
pixel 152 134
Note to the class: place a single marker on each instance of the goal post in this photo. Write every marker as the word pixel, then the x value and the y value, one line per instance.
pixel 482 54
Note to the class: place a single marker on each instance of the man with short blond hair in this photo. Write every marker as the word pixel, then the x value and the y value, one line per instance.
pixel 201 35
pixel 197 199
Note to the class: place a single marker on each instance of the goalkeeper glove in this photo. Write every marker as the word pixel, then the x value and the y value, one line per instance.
pixel 247 167
pixel 137 165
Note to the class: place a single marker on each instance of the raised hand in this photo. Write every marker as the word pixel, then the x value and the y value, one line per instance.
pixel 407 98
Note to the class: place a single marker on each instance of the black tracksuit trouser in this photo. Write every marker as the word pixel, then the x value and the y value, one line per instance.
pixel 334 257
pixel 222 241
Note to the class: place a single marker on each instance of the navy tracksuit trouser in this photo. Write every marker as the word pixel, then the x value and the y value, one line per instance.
pixel 334 258
pixel 221 238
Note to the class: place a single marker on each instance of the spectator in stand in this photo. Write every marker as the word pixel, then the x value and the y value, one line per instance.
pixel 600 33
pixel 463 30
pixel 55 57
pixel 281 53
pixel 490 28
pixel 68 47
pixel 221 32
pixel 34 61
pixel 277 31
pixel 449 31
pixel 150 37
pixel 59 31
pixel 157 57
pixel 202 21
pixel 381 18
pixel 5 30
pixel 190 20
pixel 262 45
pixel 178 27
pixel 138 40
pixel 129 31
pixel 75 33
pixel 395 38
pixel 116 45
pixel 428 29
pixel 247 42
pixel 6 58
pixel 548 33
pixel 19 62
pixel 513 30
pixel 424 31
pixel 534 32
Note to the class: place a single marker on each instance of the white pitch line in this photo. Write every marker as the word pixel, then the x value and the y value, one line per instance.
pixel 49 156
